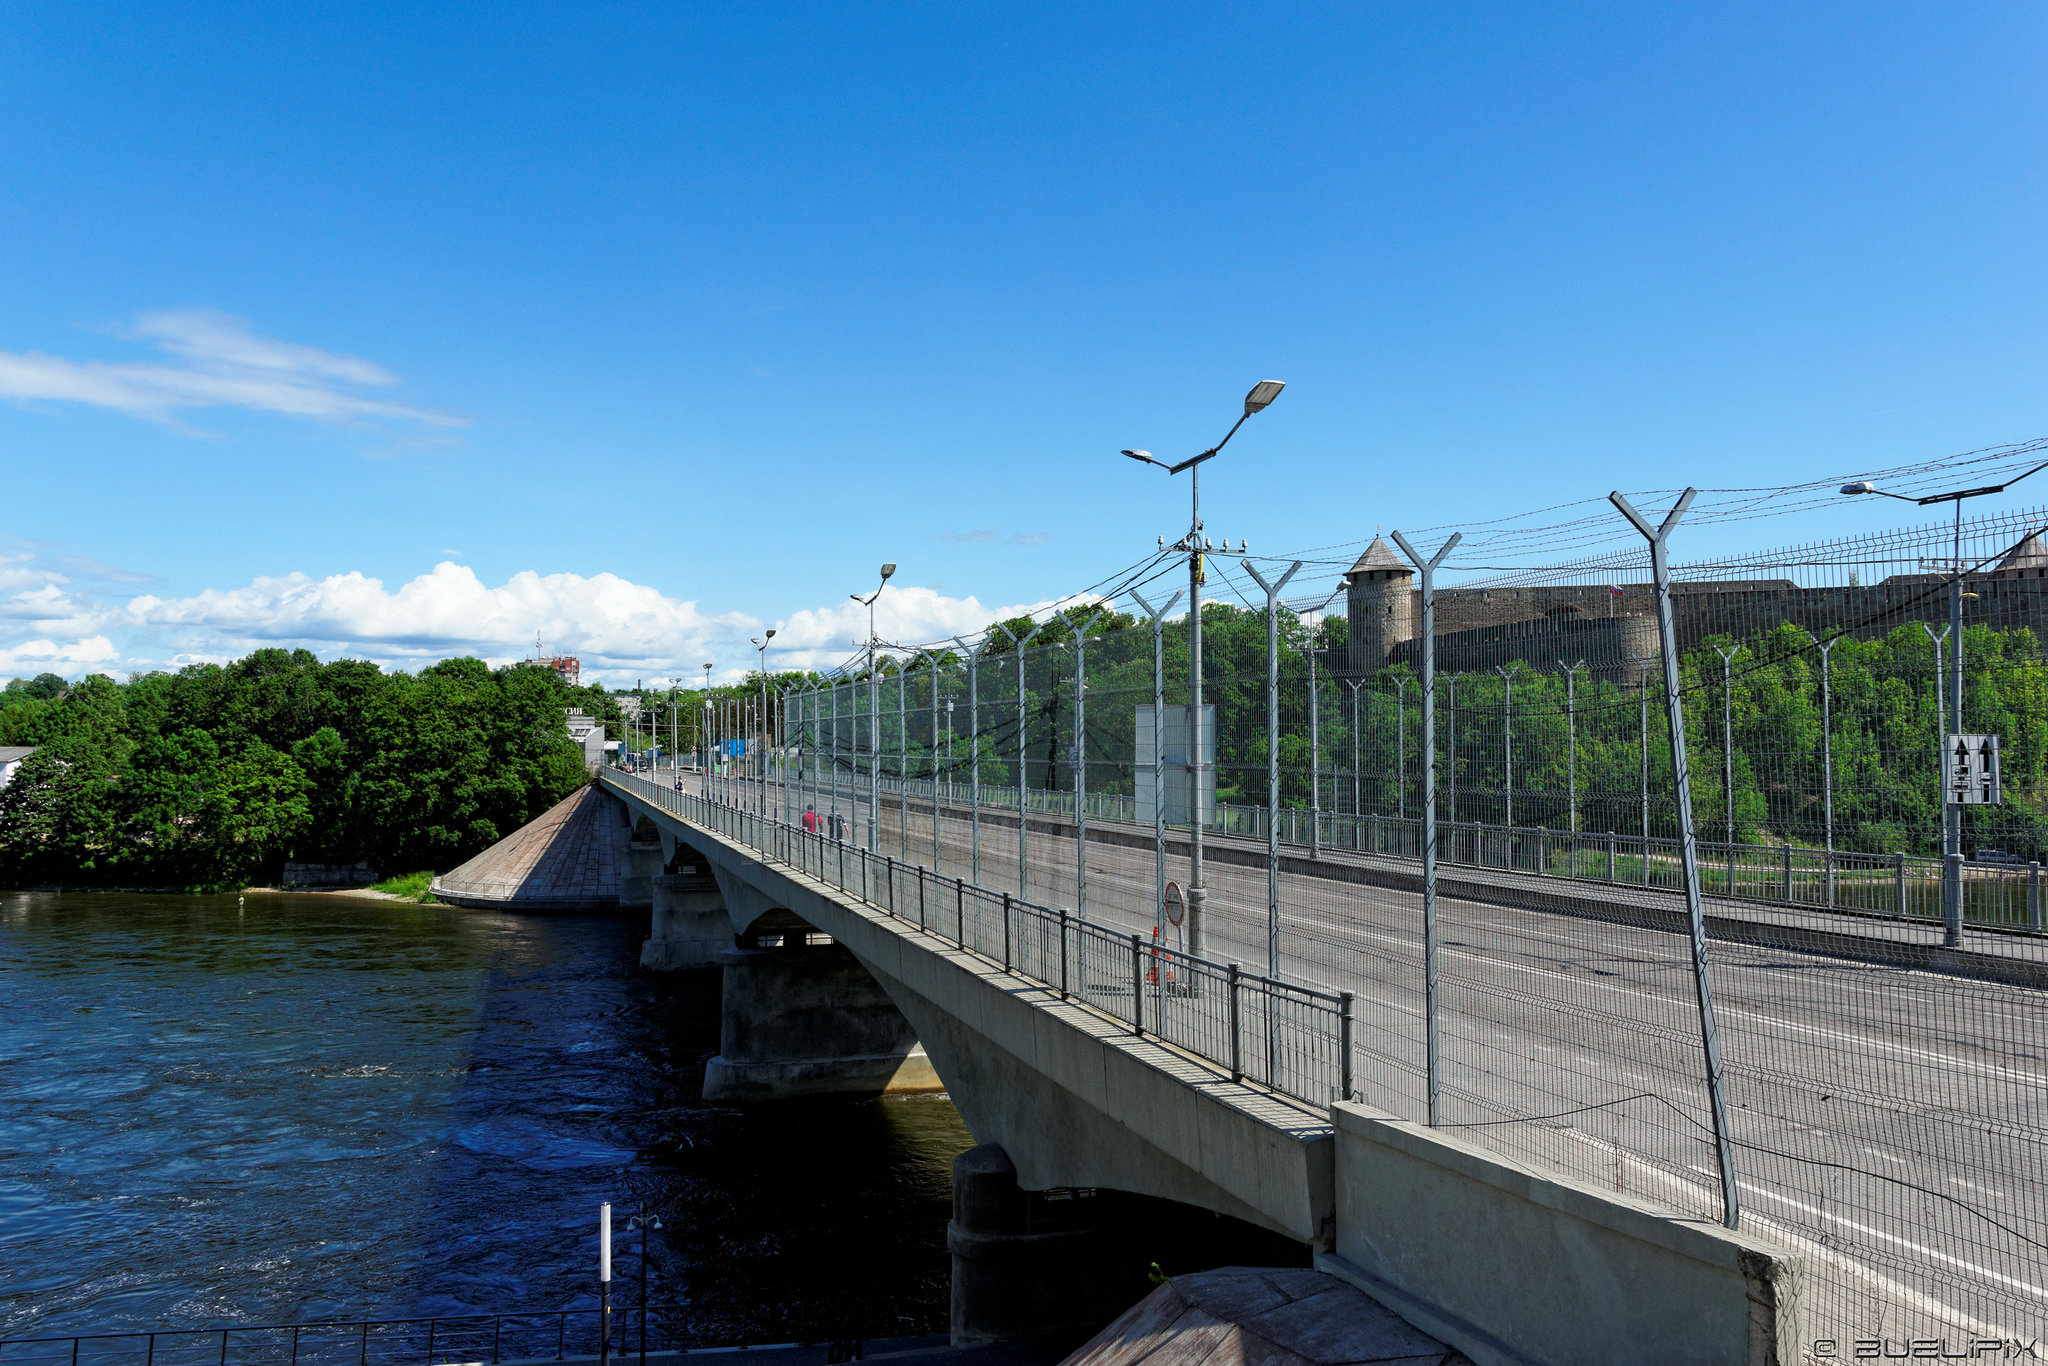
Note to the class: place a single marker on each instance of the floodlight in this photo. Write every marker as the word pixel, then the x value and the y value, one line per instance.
pixel 1263 393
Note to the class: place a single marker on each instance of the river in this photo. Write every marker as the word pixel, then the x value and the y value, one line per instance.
pixel 283 1107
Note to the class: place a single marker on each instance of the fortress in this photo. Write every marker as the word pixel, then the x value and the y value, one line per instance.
pixel 1615 625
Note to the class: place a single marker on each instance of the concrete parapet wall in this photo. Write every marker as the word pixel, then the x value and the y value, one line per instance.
pixel 1511 1266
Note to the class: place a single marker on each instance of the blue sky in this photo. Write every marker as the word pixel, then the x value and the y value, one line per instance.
pixel 401 331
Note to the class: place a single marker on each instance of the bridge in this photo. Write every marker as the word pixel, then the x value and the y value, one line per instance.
pixel 1082 1054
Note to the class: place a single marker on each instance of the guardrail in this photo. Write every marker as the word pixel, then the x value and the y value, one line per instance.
pixel 1292 1038
pixel 434 1341
pixel 1897 886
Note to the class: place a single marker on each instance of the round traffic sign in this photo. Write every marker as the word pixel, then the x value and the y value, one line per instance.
pixel 1175 906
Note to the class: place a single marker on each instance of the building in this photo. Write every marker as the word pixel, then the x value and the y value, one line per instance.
pixel 568 666
pixel 10 760
pixel 589 734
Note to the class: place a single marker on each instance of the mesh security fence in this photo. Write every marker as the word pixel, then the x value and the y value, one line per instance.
pixel 1876 952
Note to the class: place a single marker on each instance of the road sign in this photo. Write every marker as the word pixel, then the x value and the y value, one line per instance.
pixel 1176 907
pixel 1970 773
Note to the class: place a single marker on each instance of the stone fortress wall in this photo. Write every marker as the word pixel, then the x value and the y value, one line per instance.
pixel 1543 624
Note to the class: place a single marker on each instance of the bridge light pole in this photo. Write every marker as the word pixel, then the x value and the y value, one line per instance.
pixel 704 735
pixel 761 767
pixel 874 711
pixel 1262 394
pixel 1951 813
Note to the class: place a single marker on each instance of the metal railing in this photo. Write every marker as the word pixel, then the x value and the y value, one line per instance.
pixel 1290 1037
pixel 556 1335
pixel 1907 887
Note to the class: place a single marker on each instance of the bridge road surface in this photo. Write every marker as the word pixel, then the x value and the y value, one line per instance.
pixel 1919 1101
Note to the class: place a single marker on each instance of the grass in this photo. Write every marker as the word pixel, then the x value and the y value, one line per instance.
pixel 411 886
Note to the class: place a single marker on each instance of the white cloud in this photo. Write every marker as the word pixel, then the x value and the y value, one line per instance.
pixel 605 619
pixel 32 657
pixel 214 360
pixel 823 637
pixel 619 629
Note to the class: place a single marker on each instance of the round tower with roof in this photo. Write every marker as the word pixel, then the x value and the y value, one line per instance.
pixel 1380 606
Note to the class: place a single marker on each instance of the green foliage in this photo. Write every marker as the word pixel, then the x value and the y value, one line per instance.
pixel 1584 749
pixel 217 774
pixel 411 886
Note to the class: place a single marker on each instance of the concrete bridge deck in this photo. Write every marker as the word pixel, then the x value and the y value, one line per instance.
pixel 1555 1015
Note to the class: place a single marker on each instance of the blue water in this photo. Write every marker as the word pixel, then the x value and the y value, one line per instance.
pixel 286 1107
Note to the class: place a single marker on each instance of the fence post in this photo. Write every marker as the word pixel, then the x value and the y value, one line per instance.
pixel 974 754
pixel 1688 852
pixel 1063 953
pixel 1952 907
pixel 1788 872
pixel 1429 977
pixel 1023 754
pixel 1006 931
pixel 1899 867
pixel 1158 616
pixel 1272 759
pixel 1137 985
pixel 1236 1027
pixel 1610 856
pixel 1347 1004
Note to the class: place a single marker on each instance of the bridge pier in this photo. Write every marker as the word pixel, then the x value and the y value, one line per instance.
pixel 690 926
pixel 1013 1276
pixel 638 869
pixel 804 1018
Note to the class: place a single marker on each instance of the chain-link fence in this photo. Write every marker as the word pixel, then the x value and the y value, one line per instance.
pixel 1876 975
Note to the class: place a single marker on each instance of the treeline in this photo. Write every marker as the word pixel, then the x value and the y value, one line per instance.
pixel 216 775
pixel 1579 753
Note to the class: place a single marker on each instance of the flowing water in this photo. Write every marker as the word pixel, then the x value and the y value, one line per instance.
pixel 285 1107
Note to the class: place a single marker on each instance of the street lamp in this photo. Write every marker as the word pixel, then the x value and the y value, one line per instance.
pixel 643 1221
pixel 1951 813
pixel 874 710
pixel 761 769
pixel 1196 545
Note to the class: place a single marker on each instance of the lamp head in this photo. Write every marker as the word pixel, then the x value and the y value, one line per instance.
pixel 1145 456
pixel 1263 393
pixel 771 633
pixel 887 571
pixel 1861 486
